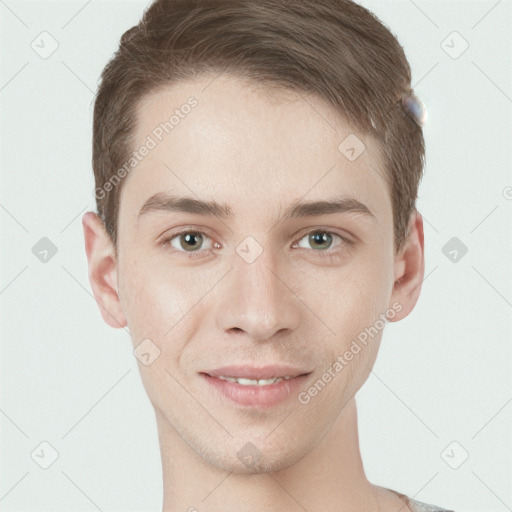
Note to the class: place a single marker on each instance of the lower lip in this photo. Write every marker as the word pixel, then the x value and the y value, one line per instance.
pixel 256 396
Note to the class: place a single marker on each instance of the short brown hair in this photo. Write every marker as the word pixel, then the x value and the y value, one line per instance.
pixel 334 49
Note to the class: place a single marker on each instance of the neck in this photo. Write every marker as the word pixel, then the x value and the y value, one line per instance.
pixel 330 477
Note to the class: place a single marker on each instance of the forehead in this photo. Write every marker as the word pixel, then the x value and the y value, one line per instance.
pixel 250 146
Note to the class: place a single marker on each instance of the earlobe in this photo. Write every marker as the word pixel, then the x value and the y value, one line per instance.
pixel 409 269
pixel 102 270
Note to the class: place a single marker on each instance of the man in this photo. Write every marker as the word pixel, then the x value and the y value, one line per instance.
pixel 257 166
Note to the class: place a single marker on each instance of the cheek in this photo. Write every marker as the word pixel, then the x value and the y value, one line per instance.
pixel 158 304
pixel 158 299
pixel 356 296
pixel 161 299
pixel 352 309
pixel 354 306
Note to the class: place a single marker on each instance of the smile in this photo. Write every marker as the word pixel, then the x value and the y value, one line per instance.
pixel 254 382
pixel 255 393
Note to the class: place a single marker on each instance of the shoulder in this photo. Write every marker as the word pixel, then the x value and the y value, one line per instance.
pixel 419 506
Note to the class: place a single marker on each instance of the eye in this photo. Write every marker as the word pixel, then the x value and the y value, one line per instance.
pixel 188 241
pixel 191 242
pixel 323 241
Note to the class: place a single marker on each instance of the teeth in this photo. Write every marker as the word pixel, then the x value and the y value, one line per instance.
pixel 254 382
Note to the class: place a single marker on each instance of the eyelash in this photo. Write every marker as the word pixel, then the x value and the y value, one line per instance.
pixel 328 253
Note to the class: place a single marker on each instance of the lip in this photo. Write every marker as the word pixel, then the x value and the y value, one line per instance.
pixel 256 396
pixel 257 372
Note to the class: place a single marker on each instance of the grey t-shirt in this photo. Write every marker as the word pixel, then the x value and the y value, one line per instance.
pixel 418 506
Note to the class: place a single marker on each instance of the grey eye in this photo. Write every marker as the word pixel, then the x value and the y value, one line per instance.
pixel 319 240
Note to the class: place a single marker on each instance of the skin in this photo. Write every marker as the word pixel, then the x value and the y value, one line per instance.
pixel 258 151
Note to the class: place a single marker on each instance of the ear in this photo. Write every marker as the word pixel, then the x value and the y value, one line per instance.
pixel 102 270
pixel 409 269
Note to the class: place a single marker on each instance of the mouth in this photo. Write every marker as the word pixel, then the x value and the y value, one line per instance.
pixel 255 387
pixel 254 382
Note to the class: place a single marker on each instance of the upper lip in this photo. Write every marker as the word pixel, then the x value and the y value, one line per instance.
pixel 257 372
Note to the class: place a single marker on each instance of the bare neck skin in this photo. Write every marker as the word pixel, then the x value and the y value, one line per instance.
pixel 331 478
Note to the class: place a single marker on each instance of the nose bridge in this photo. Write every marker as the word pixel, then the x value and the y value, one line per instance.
pixel 257 300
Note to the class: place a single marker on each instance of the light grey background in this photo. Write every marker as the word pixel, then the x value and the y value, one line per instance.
pixel 441 386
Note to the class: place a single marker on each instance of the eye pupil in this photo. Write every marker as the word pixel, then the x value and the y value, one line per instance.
pixel 320 237
pixel 189 239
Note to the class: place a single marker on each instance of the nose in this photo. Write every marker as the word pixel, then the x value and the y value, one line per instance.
pixel 258 300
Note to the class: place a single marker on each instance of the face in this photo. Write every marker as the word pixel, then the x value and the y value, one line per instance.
pixel 281 277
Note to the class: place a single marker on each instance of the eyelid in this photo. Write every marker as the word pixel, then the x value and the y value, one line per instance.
pixel 345 243
pixel 345 240
pixel 166 239
pixel 331 231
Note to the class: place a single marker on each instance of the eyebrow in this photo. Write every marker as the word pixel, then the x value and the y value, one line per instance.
pixel 174 203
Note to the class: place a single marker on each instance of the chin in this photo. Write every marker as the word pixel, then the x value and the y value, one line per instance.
pixel 249 460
